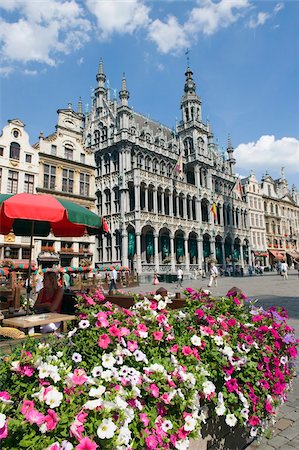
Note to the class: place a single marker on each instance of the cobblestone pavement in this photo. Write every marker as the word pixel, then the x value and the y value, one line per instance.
pixel 271 290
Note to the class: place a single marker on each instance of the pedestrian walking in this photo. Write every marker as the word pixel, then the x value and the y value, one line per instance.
pixel 213 275
pixel 113 278
pixel 156 279
pixel 179 277
pixel 284 270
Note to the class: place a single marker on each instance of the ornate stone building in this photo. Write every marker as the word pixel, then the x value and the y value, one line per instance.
pixel 256 220
pixel 67 170
pixel 281 209
pixel 156 186
pixel 18 173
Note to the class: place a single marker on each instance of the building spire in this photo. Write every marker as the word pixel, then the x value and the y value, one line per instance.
pixel 80 106
pixel 101 77
pixel 124 93
pixel 230 152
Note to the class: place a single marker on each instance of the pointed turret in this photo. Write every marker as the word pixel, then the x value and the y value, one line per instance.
pixel 124 93
pixel 190 102
pixel 101 77
pixel 230 152
pixel 80 106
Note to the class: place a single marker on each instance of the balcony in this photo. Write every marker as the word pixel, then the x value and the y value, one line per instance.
pixel 66 250
pixel 48 249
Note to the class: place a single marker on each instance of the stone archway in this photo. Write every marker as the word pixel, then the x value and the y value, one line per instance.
pixel 219 250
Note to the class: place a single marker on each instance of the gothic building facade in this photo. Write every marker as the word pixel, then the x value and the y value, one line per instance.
pixel 167 195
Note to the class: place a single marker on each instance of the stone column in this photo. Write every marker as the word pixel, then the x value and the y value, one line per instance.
pixel 197 176
pixel 199 252
pixel 198 210
pixel 172 255
pixel 242 257
pixel 171 204
pixel 146 198
pixel 137 196
pixel 230 217
pixel 162 202
pixel 187 256
pixel 124 247
pixel 249 255
pixel 177 206
pixel 223 254
pixel 184 206
pixel 138 252
pixel 155 203
pixel 220 206
pixel 213 247
pixel 156 249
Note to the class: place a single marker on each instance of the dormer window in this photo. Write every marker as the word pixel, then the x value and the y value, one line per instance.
pixel 68 152
pixel 16 133
pixel 14 151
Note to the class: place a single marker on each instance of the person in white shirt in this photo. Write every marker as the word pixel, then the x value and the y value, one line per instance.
pixel 113 279
pixel 284 270
pixel 213 275
pixel 179 277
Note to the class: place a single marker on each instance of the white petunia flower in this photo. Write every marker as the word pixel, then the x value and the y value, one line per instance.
pixel 83 324
pixel 190 423
pixel 107 429
pixel 162 304
pixel 182 444
pixel 97 392
pixel 231 420
pixel 218 340
pixel 220 409
pixel 53 398
pixel 228 351
pixel 108 360
pixel 93 404
pixel 97 371
pixel 166 425
pixel 140 356
pixel 66 445
pixel 72 332
pixel 208 387
pixel 106 375
pixel 195 340
pixel 76 357
pixel 2 420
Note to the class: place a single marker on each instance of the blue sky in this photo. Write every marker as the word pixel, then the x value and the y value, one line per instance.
pixel 244 55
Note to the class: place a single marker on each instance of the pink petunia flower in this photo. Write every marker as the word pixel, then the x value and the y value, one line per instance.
pixel 186 350
pixel 79 377
pixel 132 346
pixel 154 390
pixel 158 335
pixel 51 420
pixel 86 444
pixel 151 442
pixel 104 341
pixel 144 419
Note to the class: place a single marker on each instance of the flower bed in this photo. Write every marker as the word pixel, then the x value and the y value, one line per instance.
pixel 148 377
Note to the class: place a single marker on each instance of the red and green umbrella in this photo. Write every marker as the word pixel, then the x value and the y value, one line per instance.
pixel 43 213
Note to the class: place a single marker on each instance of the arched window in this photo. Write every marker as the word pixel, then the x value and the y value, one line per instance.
pixel 14 151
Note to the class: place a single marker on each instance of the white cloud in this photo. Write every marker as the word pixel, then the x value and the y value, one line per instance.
pixel 43 31
pixel 118 16
pixel 207 18
pixel 262 17
pixel 269 153
pixel 169 36
pixel 210 16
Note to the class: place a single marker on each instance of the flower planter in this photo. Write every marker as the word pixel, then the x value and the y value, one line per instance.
pixel 150 378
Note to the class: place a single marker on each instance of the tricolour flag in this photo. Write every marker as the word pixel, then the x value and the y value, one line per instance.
pixel 214 210
pixel 105 226
pixel 179 165
pixel 237 189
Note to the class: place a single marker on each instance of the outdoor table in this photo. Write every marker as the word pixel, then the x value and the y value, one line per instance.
pixel 37 320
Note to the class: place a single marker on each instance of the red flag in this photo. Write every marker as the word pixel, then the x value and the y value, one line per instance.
pixel 179 165
pixel 237 189
pixel 105 226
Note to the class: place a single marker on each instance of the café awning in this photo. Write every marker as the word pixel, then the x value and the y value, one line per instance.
pixel 294 254
pixel 260 253
pixel 277 255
